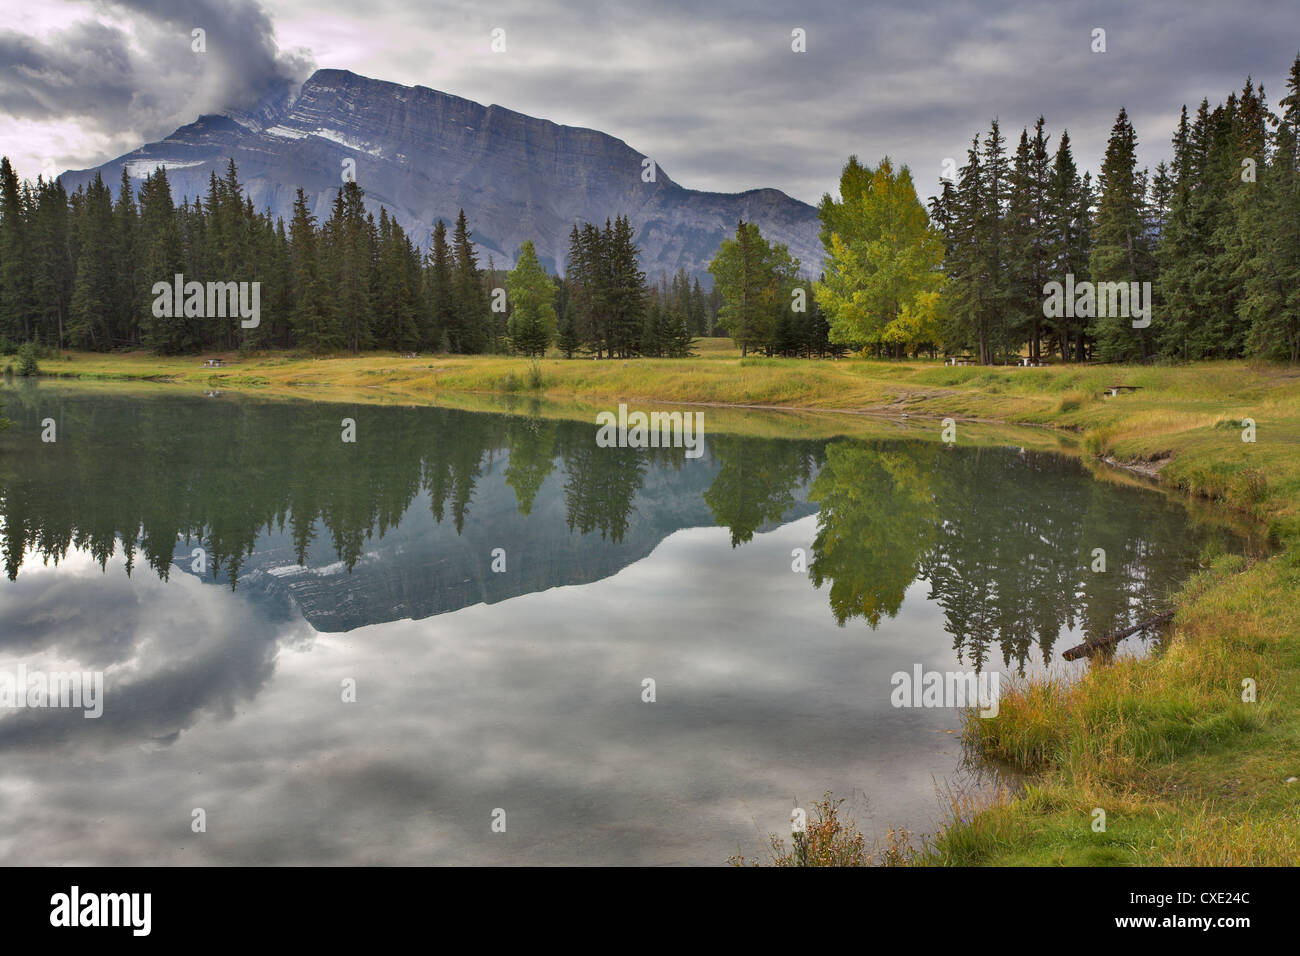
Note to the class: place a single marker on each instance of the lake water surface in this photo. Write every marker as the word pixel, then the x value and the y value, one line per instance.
pixel 233 568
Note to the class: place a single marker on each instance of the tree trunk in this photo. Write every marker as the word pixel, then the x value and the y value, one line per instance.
pixel 1088 648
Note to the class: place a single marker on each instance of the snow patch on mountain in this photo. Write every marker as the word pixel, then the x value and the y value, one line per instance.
pixel 334 136
pixel 140 168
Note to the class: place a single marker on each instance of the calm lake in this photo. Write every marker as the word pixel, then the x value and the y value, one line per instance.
pixel 364 652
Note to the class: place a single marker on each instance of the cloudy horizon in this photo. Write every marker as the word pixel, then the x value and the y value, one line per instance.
pixel 717 97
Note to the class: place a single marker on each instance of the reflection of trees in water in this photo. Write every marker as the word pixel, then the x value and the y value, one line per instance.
pixel 756 481
pixel 217 474
pixel 600 483
pixel 1004 538
pixel 142 475
pixel 877 517
pixel 532 458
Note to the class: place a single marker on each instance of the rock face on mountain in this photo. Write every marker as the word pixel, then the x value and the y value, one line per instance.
pixel 425 155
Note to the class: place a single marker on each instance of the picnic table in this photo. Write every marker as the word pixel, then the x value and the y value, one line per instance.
pixel 1114 390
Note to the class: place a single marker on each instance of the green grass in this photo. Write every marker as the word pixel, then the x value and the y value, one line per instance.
pixel 1186 772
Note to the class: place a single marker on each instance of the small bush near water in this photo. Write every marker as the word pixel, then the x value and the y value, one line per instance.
pixel 27 363
pixel 830 841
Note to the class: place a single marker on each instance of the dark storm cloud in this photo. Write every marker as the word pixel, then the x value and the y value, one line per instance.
pixel 240 40
pixel 132 73
pixel 87 70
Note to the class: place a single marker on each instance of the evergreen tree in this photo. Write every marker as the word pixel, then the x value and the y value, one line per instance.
pixel 699 313
pixel 1068 242
pixel 974 311
pixel 1121 247
pixel 53 275
pixel 441 305
pixel 314 321
pixel 349 240
pixel 1029 213
pixel 397 313
pixel 1271 300
pixel 568 339
pixel 94 286
pixel 992 248
pixel 469 329
pixel 123 321
pixel 532 301
pixel 626 291
pixel 16 294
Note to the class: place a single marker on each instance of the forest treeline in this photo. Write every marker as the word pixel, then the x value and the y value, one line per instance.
pixel 79 271
pixel 1209 241
pixel 1213 235
pixel 1215 230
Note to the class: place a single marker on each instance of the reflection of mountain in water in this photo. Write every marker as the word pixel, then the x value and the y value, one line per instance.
pixel 404 523
pixel 420 567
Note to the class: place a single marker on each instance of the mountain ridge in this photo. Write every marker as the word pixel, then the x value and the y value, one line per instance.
pixel 425 154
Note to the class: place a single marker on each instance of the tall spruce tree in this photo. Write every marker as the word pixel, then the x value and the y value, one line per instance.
pixel 314 321
pixel 438 282
pixel 1068 227
pixel 53 274
pixel 1121 245
pixel 16 295
pixel 95 284
pixel 1271 299
pixel 469 331
pixel 626 292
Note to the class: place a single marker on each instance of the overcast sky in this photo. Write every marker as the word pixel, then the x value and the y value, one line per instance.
pixel 711 90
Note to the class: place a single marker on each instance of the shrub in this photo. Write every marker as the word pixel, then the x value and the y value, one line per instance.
pixel 1072 401
pixel 830 841
pixel 1254 485
pixel 1097 441
pixel 27 363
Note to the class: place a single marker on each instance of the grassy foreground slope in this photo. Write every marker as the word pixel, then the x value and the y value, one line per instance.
pixel 1185 770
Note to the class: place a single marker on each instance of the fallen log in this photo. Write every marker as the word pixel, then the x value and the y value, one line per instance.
pixel 1088 648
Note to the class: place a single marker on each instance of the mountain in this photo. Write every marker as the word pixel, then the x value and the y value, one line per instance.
pixel 425 155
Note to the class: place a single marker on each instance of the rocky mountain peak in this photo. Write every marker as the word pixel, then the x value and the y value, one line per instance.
pixel 426 154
